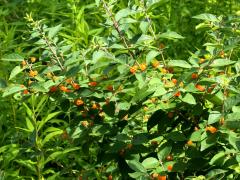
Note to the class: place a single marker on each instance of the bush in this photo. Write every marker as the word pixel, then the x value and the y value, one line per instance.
pixel 115 97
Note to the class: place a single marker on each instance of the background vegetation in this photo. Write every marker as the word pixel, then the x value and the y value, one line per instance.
pixel 139 89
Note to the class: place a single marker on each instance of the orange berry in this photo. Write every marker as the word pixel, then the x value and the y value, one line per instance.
pixel 145 108
pixel 93 83
pixel 133 69
pixel 49 75
pixel 154 176
pixel 155 63
pixel 169 167
pixel 33 73
pixel 210 89
pixel 110 88
pixel 91 123
pixel 76 86
pixel 177 94
pixel 222 54
pixel 25 91
pixel 79 102
pixel 169 157
pixel 64 135
pixel 129 146
pixel 164 71
pixel 211 129
pixel 200 87
pixel 33 59
pixel 95 106
pixel 201 60
pixel 181 84
pixel 153 100
pixel 107 101
pixel 194 75
pixel 170 70
pixel 189 143
pixel 162 177
pixel 143 67
pixel 170 115
pixel 22 86
pixel 69 80
pixel 110 177
pixel 84 123
pixel 64 88
pixel 154 143
pixel 161 46
pixel 174 81
pixel 53 89
pixel 122 152
pixel 23 63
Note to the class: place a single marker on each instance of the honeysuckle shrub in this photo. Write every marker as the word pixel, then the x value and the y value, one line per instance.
pixel 116 102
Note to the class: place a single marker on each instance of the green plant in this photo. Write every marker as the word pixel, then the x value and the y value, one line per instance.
pixel 118 95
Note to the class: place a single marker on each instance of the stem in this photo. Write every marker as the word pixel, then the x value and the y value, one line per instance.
pixel 152 31
pixel 116 25
pixel 51 48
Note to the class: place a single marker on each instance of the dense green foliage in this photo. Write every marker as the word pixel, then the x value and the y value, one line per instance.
pixel 139 89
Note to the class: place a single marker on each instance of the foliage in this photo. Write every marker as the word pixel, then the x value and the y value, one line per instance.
pixel 119 89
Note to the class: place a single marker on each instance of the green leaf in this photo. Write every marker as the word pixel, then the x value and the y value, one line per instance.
pixel 150 163
pixel 136 175
pixel 12 89
pixel 54 30
pixel 29 125
pixel 214 117
pixel 179 63
pixel 140 139
pixel 123 13
pixel 233 116
pixel 47 118
pixel 231 101
pixel 155 119
pixel 136 166
pixel 207 17
pixel 176 136
pixel 144 26
pixel 164 150
pixel 109 109
pixel 188 98
pixel 214 173
pixel 208 140
pixel 151 55
pixel 37 86
pixel 51 135
pixel 123 106
pixel 144 39
pixel 171 35
pixel 15 72
pixel 12 57
pixel 3 83
pixel 58 154
pixel 159 91
pixel 221 62
pixel 234 140
pixel 218 159
pixel 28 164
pixel 196 136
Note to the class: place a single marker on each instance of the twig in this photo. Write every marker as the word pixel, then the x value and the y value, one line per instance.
pixel 50 47
pixel 152 31
pixel 116 25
